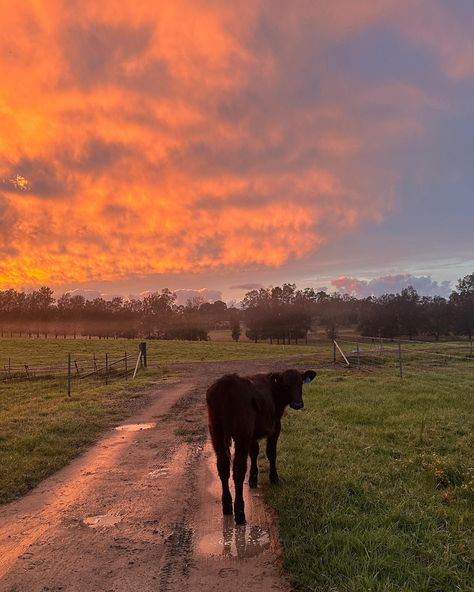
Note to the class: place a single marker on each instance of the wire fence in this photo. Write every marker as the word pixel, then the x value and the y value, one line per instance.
pixel 77 368
pixel 404 356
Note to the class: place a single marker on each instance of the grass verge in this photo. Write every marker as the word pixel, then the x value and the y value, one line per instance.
pixel 378 484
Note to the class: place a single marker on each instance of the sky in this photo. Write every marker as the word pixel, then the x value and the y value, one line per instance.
pixel 209 146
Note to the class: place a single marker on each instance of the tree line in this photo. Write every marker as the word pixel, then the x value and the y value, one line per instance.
pixel 155 316
pixel 287 314
pixel 281 314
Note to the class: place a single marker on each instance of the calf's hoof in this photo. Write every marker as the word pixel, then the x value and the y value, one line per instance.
pixel 240 518
pixel 253 481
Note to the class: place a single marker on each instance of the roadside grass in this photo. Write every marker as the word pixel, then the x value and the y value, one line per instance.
pixel 377 485
pixel 41 429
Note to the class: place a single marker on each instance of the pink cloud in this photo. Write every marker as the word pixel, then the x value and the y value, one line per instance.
pixel 391 284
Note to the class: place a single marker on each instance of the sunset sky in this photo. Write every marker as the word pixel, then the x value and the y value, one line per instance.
pixel 218 145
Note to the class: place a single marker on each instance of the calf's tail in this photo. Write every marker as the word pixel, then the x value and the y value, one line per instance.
pixel 219 420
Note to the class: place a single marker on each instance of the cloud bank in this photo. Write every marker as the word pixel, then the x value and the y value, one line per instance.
pixel 188 136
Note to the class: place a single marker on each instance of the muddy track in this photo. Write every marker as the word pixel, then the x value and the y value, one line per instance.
pixel 140 510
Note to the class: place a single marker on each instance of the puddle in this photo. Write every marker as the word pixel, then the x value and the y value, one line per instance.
pixel 135 427
pixel 242 541
pixel 104 520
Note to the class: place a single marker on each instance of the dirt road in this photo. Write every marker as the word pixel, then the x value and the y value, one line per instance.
pixel 140 510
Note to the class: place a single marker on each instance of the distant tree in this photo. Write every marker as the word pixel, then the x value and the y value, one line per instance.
pixel 214 314
pixel 330 309
pixel 236 330
pixel 158 313
pixel 462 301
pixel 281 313
pixel 388 316
pixel 437 316
pixel 369 317
pixel 409 312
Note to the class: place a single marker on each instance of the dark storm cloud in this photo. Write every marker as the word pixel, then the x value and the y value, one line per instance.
pixel 97 155
pixel 96 53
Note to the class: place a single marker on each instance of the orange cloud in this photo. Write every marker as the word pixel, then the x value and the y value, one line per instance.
pixel 144 137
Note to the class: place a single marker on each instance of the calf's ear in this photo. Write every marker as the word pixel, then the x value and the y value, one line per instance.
pixel 308 376
pixel 275 377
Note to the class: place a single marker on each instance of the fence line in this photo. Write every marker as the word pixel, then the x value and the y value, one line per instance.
pixel 400 356
pixel 75 369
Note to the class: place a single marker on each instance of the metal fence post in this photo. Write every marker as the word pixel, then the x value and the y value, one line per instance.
pixel 126 366
pixel 400 361
pixel 106 368
pixel 333 351
pixel 69 375
pixel 358 357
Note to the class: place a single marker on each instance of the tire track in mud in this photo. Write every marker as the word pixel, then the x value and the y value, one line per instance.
pixel 179 545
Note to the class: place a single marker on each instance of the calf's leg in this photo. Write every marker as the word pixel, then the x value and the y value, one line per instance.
pixel 253 477
pixel 239 469
pixel 272 452
pixel 223 468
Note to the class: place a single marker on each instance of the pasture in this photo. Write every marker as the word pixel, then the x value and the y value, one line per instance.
pixel 378 483
pixel 377 472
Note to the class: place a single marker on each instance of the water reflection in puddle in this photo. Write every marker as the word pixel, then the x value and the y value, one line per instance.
pixel 241 541
pixel 135 427
pixel 102 520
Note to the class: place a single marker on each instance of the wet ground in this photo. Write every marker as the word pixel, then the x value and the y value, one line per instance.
pixel 140 510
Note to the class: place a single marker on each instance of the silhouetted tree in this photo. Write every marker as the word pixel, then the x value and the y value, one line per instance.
pixel 462 300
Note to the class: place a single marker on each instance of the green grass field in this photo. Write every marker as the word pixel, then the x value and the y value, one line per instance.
pixel 378 483
pixel 41 429
pixel 377 473
pixel 35 351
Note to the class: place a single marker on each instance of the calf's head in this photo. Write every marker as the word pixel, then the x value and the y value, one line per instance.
pixel 289 386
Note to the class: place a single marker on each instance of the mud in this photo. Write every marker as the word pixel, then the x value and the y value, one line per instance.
pixel 140 510
pixel 135 427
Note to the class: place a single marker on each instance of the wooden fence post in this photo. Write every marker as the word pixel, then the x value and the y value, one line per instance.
pixel 358 357
pixel 126 366
pixel 342 353
pixel 333 351
pixel 137 364
pixel 142 348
